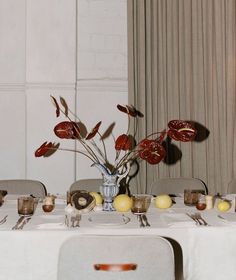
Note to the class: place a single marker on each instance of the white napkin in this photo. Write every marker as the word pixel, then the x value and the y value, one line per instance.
pixel 51 226
pixel 178 220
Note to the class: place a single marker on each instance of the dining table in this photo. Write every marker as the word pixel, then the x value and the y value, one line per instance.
pixel 202 252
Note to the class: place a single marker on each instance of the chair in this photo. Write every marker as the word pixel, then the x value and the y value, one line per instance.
pixel 87 185
pixel 232 186
pixel 116 258
pixel 176 185
pixel 22 187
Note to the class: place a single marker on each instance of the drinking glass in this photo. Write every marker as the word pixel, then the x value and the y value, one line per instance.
pixel 141 203
pixel 25 205
pixel 191 196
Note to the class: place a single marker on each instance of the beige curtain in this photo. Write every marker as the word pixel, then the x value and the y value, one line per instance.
pixel 182 65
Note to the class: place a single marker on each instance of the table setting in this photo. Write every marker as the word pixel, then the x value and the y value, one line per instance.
pixel 42 235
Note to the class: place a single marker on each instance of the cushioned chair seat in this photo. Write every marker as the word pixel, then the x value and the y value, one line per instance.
pixel 116 258
pixel 22 187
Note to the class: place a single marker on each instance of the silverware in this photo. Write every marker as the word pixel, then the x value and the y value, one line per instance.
pixel 145 220
pixel 196 220
pixel 191 216
pixel 200 218
pixel 219 216
pixel 25 221
pixel 141 224
pixel 77 220
pixel 19 221
pixel 3 220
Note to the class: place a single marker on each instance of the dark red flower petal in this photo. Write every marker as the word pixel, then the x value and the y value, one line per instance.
pixel 181 131
pixel 43 149
pixel 67 130
pixel 144 143
pixel 151 151
pixel 94 131
pixel 123 142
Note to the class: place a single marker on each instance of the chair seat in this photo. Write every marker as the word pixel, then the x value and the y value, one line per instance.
pixel 24 186
pixel 116 257
pixel 87 185
pixel 176 185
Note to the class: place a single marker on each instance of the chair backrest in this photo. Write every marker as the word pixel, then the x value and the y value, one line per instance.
pixel 22 187
pixel 232 186
pixel 176 185
pixel 116 257
pixel 87 185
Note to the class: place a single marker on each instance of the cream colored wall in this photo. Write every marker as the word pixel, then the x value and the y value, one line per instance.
pixel 74 49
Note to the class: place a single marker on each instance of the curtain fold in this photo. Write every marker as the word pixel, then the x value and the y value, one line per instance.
pixel 182 65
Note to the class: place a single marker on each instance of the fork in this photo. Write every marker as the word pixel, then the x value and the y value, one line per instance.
pixel 3 220
pixel 199 217
pixel 141 224
pixel 144 217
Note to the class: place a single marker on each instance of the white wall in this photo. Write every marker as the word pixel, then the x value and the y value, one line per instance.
pixel 69 48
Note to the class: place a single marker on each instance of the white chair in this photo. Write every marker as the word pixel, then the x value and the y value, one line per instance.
pixel 232 186
pixel 116 258
pixel 176 185
pixel 23 187
pixel 87 185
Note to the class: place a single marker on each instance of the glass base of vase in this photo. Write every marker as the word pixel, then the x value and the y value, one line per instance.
pixel 107 206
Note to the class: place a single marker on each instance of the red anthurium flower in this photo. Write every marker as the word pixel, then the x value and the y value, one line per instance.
pixel 123 142
pixel 181 131
pixel 151 151
pixel 43 149
pixel 67 130
pixel 94 131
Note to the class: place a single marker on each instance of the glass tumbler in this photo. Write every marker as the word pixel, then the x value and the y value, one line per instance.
pixel 25 205
pixel 141 203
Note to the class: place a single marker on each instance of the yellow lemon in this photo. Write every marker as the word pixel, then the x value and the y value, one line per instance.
pixel 122 203
pixel 163 201
pixel 97 196
pixel 223 205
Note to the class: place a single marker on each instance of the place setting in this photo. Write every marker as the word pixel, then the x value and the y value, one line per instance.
pixel 25 206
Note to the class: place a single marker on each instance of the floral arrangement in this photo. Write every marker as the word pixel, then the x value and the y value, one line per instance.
pixel 149 149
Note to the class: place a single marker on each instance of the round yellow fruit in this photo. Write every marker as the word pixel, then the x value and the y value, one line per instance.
pixel 223 205
pixel 122 203
pixel 163 201
pixel 97 196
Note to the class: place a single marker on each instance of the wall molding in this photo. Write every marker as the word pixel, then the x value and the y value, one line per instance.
pixel 54 86
pixel 98 85
pixel 12 87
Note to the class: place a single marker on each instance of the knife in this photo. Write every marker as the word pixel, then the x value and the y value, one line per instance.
pixel 20 220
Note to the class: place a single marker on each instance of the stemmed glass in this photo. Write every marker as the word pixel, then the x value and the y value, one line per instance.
pixel 141 203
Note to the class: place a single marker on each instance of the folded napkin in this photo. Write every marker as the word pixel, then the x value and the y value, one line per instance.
pixel 178 220
pixel 50 226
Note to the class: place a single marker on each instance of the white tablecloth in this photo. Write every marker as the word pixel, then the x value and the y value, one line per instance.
pixel 32 254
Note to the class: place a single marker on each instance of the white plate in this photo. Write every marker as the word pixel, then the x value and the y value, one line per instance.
pixel 51 216
pixel 230 217
pixel 108 220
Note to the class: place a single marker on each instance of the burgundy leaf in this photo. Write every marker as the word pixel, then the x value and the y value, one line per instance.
pixel 56 105
pixel 130 110
pixel 94 131
pixel 64 104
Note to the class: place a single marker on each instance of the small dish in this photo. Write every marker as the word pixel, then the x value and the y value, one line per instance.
pixel 108 220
